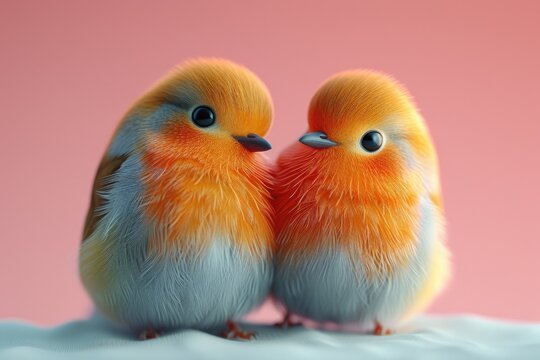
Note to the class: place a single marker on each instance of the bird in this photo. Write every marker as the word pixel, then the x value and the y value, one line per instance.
pixel 360 228
pixel 179 232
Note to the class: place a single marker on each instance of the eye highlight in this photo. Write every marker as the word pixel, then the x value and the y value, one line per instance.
pixel 203 116
pixel 372 141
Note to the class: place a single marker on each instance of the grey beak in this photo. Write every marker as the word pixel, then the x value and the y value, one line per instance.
pixel 253 142
pixel 317 140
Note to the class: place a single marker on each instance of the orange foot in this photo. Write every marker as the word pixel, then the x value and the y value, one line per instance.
pixel 149 334
pixel 235 332
pixel 379 330
pixel 287 322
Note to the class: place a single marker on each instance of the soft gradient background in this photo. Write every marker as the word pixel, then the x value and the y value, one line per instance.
pixel 69 70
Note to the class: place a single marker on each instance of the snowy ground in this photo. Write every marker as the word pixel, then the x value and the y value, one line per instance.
pixel 456 337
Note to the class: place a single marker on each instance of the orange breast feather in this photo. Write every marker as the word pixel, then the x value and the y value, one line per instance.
pixel 324 200
pixel 196 194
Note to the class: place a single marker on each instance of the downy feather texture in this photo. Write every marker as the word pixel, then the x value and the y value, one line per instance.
pixel 179 233
pixel 360 234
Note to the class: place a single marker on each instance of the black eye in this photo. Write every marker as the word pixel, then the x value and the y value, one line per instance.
pixel 203 116
pixel 372 141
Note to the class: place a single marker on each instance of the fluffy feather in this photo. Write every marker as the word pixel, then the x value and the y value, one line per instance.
pixel 360 235
pixel 179 233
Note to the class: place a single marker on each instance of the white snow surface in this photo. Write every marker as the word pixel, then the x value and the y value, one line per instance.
pixel 426 337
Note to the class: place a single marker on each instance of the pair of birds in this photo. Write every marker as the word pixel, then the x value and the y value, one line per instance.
pixel 189 227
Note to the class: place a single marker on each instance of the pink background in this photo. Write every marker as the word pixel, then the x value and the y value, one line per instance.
pixel 69 70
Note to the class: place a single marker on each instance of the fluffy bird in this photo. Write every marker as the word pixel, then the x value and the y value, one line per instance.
pixel 179 232
pixel 359 218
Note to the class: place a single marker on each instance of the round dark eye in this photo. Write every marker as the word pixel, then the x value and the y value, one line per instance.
pixel 203 116
pixel 372 141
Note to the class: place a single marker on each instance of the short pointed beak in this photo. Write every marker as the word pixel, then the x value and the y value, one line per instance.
pixel 317 139
pixel 253 142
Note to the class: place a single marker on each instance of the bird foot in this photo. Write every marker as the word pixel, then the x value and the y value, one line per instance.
pixel 234 332
pixel 287 322
pixel 380 331
pixel 149 334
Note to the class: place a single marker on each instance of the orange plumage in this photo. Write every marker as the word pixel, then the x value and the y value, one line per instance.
pixel 180 228
pixel 207 192
pixel 351 221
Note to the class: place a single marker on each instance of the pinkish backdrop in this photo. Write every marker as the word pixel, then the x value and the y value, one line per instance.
pixel 68 71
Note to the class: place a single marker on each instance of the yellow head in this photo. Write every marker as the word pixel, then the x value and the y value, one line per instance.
pixel 359 174
pixel 197 133
pixel 366 123
pixel 205 108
